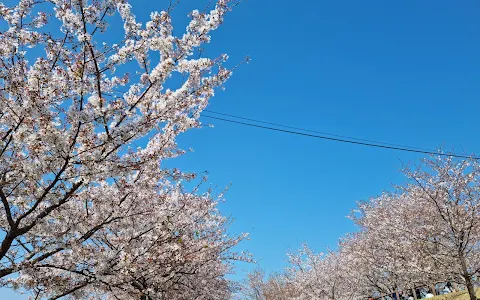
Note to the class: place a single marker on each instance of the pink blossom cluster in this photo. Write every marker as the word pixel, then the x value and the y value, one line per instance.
pixel 88 211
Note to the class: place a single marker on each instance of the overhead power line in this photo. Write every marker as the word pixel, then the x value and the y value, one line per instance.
pixel 315 131
pixel 336 138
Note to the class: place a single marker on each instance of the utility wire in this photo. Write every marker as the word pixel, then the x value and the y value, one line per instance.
pixel 315 131
pixel 369 144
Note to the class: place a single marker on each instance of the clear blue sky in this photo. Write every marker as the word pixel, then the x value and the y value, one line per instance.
pixel 403 72
pixel 395 71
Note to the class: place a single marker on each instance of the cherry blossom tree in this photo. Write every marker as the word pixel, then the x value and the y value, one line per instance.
pixel 424 232
pixel 322 276
pixel 382 265
pixel 258 286
pixel 385 252
pixel 254 287
pixel 432 224
pixel 450 229
pixel 88 210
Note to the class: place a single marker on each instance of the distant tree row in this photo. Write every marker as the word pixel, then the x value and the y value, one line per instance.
pixel 427 231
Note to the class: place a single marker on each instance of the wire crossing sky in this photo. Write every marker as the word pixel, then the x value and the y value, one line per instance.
pixel 309 130
pixel 349 140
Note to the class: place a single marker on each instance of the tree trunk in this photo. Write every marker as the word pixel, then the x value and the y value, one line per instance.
pixel 414 290
pixel 468 279
pixel 434 290
pixel 471 290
